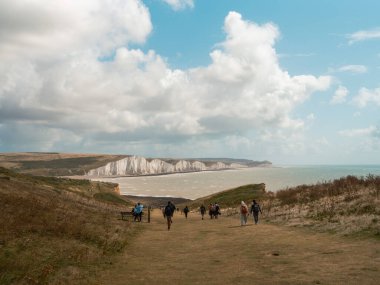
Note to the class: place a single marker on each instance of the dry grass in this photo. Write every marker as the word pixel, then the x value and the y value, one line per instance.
pixel 51 228
pixel 349 206
pixel 222 252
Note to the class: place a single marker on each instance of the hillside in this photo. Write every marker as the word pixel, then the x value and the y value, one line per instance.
pixel 57 231
pixel 54 164
pixel 346 206
pixel 63 231
pixel 231 197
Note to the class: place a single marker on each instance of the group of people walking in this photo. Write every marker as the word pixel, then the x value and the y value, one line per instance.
pixel 214 212
pixel 254 210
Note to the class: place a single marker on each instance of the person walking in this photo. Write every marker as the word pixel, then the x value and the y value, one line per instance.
pixel 169 211
pixel 210 210
pixel 202 209
pixel 138 211
pixel 243 213
pixel 255 210
pixel 217 210
pixel 186 211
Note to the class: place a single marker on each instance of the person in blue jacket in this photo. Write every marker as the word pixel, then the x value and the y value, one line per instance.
pixel 138 211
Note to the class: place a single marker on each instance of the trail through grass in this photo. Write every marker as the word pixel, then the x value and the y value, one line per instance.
pixel 222 252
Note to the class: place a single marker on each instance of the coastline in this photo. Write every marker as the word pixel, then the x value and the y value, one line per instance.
pixel 192 185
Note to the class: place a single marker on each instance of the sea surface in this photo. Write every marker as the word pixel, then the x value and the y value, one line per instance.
pixel 199 184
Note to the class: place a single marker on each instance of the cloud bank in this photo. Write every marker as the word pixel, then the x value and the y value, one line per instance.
pixel 70 81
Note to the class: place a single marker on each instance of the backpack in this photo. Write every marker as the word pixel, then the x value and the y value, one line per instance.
pixel 255 208
pixel 244 210
pixel 168 211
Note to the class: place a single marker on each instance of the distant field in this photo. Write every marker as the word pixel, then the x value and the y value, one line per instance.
pixel 55 164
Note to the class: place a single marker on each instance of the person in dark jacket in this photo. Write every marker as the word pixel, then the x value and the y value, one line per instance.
pixel 168 212
pixel 186 211
pixel 255 210
pixel 202 209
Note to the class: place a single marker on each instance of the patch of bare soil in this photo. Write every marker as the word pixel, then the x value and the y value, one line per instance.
pixel 197 251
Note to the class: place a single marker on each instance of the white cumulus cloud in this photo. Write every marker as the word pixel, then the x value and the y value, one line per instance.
pixel 61 87
pixel 340 95
pixel 367 96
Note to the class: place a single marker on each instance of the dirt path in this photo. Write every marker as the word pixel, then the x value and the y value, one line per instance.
pixel 222 252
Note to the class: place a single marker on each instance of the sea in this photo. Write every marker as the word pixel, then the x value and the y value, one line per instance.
pixel 199 184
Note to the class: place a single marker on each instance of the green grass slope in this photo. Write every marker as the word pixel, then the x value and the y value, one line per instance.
pixel 232 197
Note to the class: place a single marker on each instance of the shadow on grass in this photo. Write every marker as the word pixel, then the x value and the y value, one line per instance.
pixel 239 226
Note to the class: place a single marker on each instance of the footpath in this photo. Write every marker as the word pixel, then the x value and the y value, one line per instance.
pixel 220 251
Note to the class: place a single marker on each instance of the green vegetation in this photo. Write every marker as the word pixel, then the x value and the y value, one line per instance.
pixel 58 231
pixel 233 197
pixel 110 197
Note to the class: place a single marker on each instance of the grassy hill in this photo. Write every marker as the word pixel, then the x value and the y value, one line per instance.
pixel 231 197
pixel 346 206
pixel 57 231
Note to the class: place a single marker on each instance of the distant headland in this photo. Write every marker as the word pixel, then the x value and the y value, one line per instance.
pixel 96 165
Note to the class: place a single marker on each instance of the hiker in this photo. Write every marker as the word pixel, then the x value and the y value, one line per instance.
pixel 243 213
pixel 186 211
pixel 202 209
pixel 210 210
pixel 134 213
pixel 169 210
pixel 255 209
pixel 138 212
pixel 217 210
pixel 173 208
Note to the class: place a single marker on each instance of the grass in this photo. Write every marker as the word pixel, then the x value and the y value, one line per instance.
pixel 347 206
pixel 110 197
pixel 54 229
pixel 220 251
pixel 232 197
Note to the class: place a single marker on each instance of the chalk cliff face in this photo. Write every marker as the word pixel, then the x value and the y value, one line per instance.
pixel 137 165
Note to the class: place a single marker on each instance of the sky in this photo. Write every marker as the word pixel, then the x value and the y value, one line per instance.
pixel 292 82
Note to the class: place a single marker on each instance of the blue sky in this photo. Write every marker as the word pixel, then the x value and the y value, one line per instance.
pixel 293 82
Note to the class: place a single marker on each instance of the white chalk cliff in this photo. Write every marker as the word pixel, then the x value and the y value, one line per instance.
pixel 137 165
